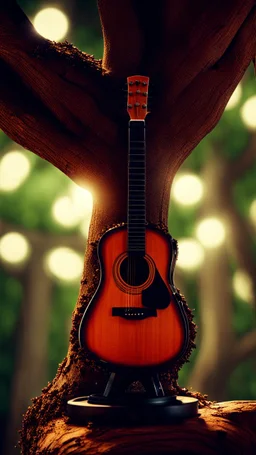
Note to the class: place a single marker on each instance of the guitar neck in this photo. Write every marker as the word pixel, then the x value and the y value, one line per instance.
pixel 136 216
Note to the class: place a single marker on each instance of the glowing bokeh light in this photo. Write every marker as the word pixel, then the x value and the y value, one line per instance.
pixel 191 254
pixel 82 200
pixel 51 23
pixel 187 189
pixel 14 169
pixel 64 213
pixel 211 232
pixel 74 208
pixel 253 211
pixel 248 113
pixel 64 264
pixel 235 98
pixel 242 285
pixel 14 248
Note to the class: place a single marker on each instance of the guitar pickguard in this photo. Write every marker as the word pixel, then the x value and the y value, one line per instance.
pixel 157 294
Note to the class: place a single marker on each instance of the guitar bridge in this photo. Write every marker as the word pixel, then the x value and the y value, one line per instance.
pixel 134 313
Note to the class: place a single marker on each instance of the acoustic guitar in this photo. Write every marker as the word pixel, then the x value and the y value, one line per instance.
pixel 136 316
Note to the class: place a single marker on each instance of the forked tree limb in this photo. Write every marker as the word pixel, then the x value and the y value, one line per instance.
pixel 186 49
pixel 36 99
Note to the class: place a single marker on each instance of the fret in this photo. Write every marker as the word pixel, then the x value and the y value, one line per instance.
pixel 134 244
pixel 137 249
pixel 138 227
pixel 136 211
pixel 136 202
pixel 137 196
pixel 138 236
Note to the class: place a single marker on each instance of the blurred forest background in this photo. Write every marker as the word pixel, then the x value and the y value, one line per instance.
pixel 44 225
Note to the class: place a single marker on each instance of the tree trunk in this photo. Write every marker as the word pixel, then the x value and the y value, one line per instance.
pixel 214 361
pixel 30 372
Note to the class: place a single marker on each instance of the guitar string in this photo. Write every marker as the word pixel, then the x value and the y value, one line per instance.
pixel 131 272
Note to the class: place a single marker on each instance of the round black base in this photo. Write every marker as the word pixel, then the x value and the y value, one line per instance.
pixel 134 408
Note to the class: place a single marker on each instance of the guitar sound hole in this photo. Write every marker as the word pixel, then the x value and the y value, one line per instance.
pixel 134 270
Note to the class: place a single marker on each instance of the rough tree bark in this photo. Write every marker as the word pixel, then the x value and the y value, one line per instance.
pixel 69 109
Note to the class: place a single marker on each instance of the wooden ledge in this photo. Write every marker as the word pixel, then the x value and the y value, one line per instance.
pixel 221 428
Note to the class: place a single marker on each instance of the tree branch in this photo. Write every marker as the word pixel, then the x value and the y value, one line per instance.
pixel 123 39
pixel 215 83
pixel 40 69
pixel 71 86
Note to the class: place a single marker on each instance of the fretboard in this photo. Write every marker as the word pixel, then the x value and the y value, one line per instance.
pixel 136 217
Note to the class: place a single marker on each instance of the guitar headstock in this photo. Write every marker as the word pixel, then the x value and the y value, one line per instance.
pixel 137 99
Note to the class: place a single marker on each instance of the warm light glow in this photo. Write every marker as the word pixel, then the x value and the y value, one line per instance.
pixel 82 199
pixel 242 285
pixel 248 113
pixel 253 211
pixel 235 98
pixel 14 248
pixel 84 227
pixel 187 189
pixel 14 169
pixel 51 23
pixel 210 232
pixel 64 264
pixel 73 209
pixel 64 212
pixel 191 254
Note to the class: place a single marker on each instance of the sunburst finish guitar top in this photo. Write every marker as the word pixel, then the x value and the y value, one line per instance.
pixel 136 317
pixel 139 324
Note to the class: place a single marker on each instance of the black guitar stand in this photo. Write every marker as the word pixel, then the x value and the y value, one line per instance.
pixel 118 404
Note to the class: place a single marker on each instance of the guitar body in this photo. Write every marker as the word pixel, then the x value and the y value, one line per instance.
pixel 135 318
